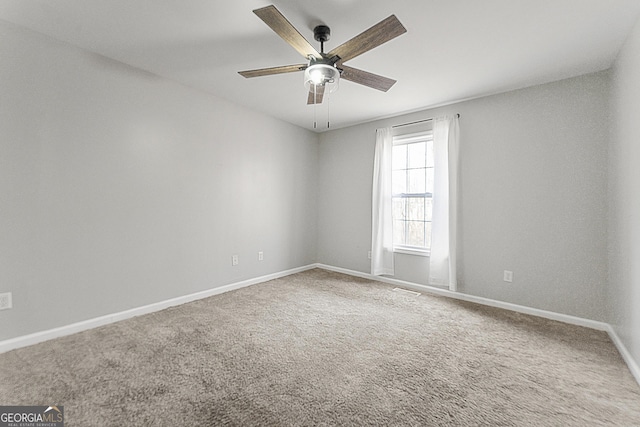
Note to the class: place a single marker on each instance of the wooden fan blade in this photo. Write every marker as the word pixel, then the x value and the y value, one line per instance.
pixel 278 23
pixel 318 95
pixel 273 70
pixel 365 78
pixel 380 33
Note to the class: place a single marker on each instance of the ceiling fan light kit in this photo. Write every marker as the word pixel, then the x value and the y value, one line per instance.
pixel 322 75
pixel 323 72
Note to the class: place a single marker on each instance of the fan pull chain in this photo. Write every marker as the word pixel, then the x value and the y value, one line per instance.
pixel 315 106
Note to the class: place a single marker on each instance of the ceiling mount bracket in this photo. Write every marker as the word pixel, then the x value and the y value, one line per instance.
pixel 322 33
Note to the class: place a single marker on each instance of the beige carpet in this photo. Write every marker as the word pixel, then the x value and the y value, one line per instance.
pixel 320 348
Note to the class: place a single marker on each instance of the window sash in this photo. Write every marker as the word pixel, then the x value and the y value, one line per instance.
pixel 405 221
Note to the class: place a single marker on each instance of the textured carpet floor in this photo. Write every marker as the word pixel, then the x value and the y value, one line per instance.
pixel 321 348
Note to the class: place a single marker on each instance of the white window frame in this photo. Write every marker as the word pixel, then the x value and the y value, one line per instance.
pixel 402 140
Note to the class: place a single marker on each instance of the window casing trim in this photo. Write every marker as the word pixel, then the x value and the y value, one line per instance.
pixel 413 137
pixel 411 250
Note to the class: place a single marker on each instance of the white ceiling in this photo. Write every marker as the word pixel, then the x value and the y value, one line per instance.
pixel 453 49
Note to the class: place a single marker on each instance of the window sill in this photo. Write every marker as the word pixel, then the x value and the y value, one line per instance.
pixel 414 252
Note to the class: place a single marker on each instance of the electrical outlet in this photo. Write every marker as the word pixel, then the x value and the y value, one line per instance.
pixel 234 260
pixel 508 276
pixel 5 301
pixel 260 256
pixel 369 254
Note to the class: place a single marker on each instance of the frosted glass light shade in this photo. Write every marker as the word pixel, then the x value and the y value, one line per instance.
pixel 322 75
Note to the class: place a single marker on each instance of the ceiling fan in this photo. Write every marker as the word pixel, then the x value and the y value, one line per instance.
pixel 324 70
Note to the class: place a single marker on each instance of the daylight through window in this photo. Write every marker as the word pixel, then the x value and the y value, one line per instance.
pixel 412 183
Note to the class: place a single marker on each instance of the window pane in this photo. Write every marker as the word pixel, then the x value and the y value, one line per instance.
pixel 417 180
pixel 398 207
pixel 399 157
pixel 428 235
pixel 429 149
pixel 429 188
pixel 415 233
pixel 399 182
pixel 398 232
pixel 428 209
pixel 416 155
pixel 415 209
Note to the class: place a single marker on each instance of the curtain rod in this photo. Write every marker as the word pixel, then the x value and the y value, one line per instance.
pixel 416 122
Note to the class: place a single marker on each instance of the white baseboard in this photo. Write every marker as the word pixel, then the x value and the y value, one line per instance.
pixel 573 320
pixel 601 326
pixel 632 364
pixel 26 340
pixel 35 338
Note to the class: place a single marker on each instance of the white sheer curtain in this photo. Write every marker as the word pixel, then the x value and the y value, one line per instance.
pixel 442 262
pixel 381 221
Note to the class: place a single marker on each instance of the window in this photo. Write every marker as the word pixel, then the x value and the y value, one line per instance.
pixel 412 188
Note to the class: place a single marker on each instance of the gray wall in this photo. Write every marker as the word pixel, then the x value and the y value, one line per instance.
pixel 119 188
pixel 624 200
pixel 533 190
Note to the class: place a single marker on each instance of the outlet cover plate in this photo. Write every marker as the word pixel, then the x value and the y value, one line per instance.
pixel 6 301
pixel 508 276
